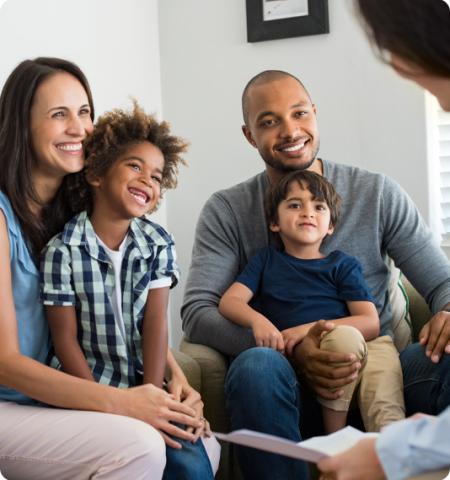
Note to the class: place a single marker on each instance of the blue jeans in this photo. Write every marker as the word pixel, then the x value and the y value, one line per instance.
pixel 188 463
pixel 426 384
pixel 262 394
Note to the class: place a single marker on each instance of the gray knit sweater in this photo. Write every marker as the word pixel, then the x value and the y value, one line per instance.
pixel 378 219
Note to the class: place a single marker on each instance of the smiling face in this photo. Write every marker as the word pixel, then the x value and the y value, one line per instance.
pixel 281 124
pixel 59 122
pixel 437 86
pixel 303 222
pixel 132 185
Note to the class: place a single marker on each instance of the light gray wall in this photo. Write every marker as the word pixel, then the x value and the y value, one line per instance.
pixel 367 115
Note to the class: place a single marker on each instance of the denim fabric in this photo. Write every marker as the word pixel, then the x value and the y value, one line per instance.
pixel 188 463
pixel 262 394
pixel 426 384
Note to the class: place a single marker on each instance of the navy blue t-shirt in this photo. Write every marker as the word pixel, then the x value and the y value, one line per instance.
pixel 290 291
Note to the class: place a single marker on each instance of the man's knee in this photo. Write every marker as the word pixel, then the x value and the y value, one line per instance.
pixel 259 366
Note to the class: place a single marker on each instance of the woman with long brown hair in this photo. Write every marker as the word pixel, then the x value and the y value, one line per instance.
pixel 97 431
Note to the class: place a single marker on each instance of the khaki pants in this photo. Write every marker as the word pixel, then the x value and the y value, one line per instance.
pixel 380 383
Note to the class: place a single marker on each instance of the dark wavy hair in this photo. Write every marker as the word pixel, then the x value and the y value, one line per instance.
pixel 16 153
pixel 114 133
pixel 320 188
pixel 415 30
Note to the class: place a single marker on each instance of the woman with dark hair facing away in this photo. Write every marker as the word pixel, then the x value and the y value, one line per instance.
pixel 413 36
pixel 98 431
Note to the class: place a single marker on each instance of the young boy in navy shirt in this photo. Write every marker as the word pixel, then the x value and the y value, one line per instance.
pixel 282 292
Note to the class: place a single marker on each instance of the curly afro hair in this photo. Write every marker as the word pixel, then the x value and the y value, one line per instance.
pixel 114 133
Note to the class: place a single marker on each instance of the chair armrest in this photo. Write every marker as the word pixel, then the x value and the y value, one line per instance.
pixel 190 368
pixel 418 308
pixel 213 366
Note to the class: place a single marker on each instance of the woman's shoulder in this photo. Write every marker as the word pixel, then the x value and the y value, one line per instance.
pixel 11 219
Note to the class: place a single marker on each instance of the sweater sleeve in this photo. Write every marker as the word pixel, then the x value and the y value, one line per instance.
pixel 413 446
pixel 214 267
pixel 410 243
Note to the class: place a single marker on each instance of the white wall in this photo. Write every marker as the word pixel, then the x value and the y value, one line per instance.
pixel 367 115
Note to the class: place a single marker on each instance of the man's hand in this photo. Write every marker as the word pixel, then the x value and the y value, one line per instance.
pixel 293 336
pixel 360 461
pixel 267 335
pixel 435 336
pixel 322 369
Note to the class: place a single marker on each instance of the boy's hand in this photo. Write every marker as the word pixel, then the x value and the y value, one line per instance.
pixel 293 336
pixel 267 335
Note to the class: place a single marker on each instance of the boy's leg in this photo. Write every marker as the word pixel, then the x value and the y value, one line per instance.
pixel 195 461
pixel 343 338
pixel 380 394
pixel 55 444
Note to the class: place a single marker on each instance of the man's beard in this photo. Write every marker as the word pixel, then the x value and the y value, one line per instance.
pixel 281 167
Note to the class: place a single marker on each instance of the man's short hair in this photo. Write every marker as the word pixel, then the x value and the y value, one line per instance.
pixel 261 78
pixel 320 188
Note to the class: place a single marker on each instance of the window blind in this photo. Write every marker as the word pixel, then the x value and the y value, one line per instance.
pixel 443 149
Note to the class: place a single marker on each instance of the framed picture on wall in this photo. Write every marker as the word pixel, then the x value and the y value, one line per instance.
pixel 273 19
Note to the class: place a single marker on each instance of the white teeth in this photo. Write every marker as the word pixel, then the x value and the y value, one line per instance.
pixel 70 147
pixel 294 148
pixel 141 198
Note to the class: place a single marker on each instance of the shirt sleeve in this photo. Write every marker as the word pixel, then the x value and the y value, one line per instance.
pixel 214 267
pixel 413 446
pixel 351 283
pixel 56 276
pixel 251 275
pixel 164 266
pixel 412 246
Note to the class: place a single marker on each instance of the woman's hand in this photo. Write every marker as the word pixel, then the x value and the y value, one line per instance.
pixel 183 392
pixel 161 410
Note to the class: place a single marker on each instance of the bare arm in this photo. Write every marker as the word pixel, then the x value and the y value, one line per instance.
pixel 364 317
pixel 63 328
pixel 154 335
pixel 17 371
pixel 234 306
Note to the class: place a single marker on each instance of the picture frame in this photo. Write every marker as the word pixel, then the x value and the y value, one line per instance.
pixel 274 19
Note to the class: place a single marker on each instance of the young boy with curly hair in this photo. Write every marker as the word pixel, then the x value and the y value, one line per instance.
pixel 106 276
pixel 293 287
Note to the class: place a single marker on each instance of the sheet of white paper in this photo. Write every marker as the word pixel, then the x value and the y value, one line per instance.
pixel 311 450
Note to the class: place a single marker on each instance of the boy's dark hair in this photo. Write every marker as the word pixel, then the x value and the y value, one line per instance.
pixel 17 158
pixel 114 133
pixel 416 30
pixel 320 188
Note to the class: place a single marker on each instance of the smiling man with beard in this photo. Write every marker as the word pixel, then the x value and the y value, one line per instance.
pixel 379 221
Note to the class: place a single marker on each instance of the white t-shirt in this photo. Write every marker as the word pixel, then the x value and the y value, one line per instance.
pixel 116 257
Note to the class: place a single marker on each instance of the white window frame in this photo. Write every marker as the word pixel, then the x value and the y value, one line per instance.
pixel 438 146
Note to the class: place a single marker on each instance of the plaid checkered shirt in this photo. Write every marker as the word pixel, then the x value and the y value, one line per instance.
pixel 76 271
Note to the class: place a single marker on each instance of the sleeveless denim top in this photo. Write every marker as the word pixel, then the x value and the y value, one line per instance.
pixel 31 323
